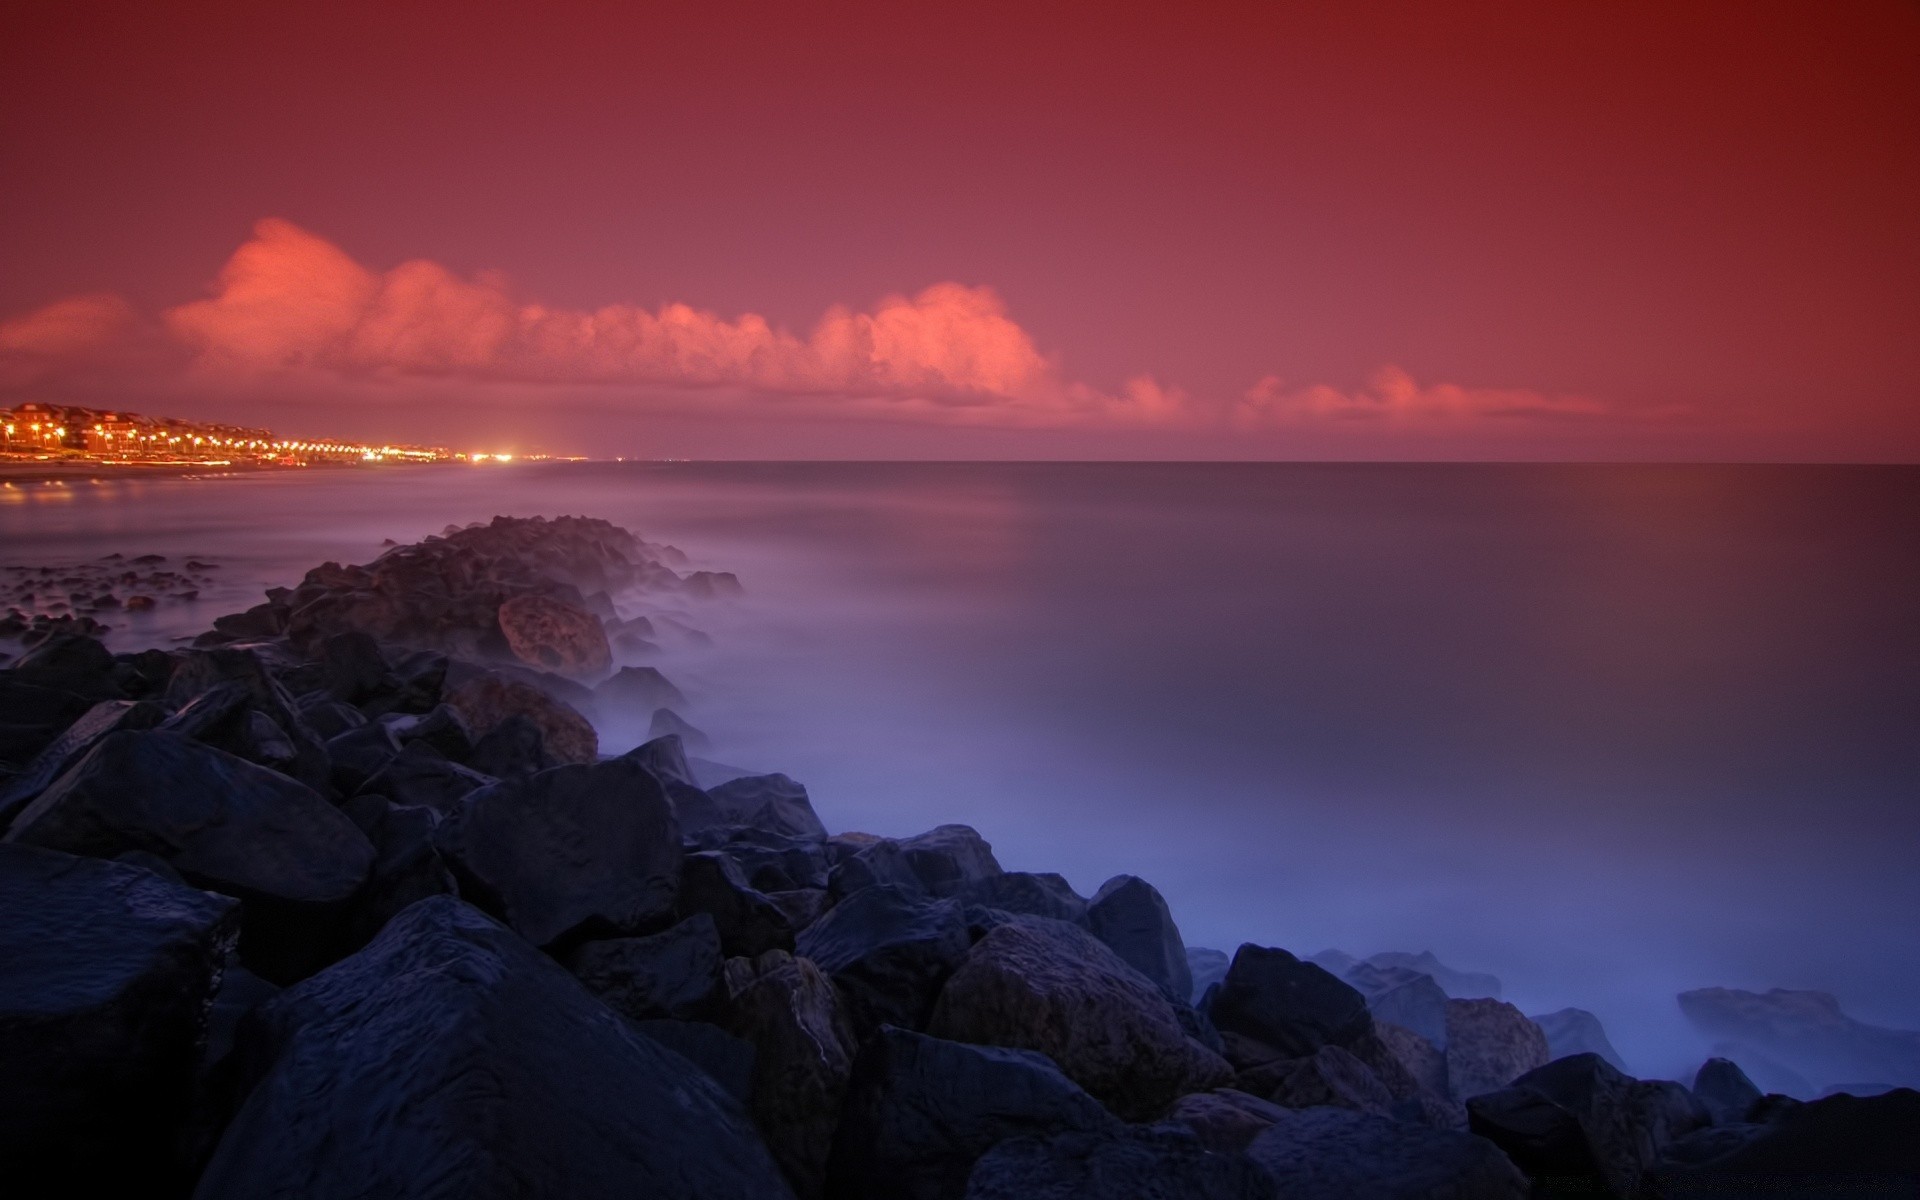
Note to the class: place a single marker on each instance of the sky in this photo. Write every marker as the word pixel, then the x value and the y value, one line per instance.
pixel 1269 231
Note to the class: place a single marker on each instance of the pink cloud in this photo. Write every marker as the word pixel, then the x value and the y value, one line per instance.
pixel 67 327
pixel 1393 397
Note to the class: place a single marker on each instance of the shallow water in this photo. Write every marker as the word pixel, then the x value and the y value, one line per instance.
pixel 1608 732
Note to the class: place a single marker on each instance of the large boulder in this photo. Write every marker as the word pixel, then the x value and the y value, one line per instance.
pixel 676 974
pixel 1029 894
pixel 803 1057
pixel 553 635
pixel 486 700
pixel 1838 1146
pixel 1036 984
pixel 1422 1060
pixel 1490 1043
pixel 70 662
pixel 948 858
pixel 771 803
pixel 450 1059
pixel 1135 1163
pixel 201 671
pixel 1577 1031
pixel 889 952
pixel 108 716
pixel 920 1111
pixel 568 854
pixel 1579 1118
pixel 1335 1154
pixel 1226 1119
pixel 749 922
pixel 1330 1077
pixel 422 776
pixel 406 866
pixel 1725 1090
pixel 1131 917
pixel 106 974
pixel 1405 998
pixel 1275 1000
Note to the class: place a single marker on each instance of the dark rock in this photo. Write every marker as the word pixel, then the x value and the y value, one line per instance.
pixel 260 621
pixel 106 971
pixel 1577 1031
pixel 1334 1154
pixel 692 808
pixel 1404 998
pixel 802 906
pixel 23 703
pixel 570 853
pixel 1274 999
pixel 803 1055
pixel 359 754
pixel 771 862
pixel 921 1111
pixel 639 688
pixel 1035 984
pixel 773 803
pixel 1131 917
pixel 1029 894
pixel 512 749
pixel 1421 1059
pixel 749 922
pixel 712 585
pixel 330 718
pixel 70 662
pixel 443 728
pixel 1329 1077
pixel 108 716
pixel 666 721
pixel 889 952
pixel 1489 1044
pixel 1841 1146
pixel 1207 967
pixel 1459 985
pixel 1160 1163
pixel 949 858
pixel 727 1059
pixel 1807 1032
pixel 421 775
pixel 203 670
pixel 1226 1120
pixel 406 866
pixel 354 669
pixel 486 700
pixel 879 863
pixel 449 1059
pixel 676 974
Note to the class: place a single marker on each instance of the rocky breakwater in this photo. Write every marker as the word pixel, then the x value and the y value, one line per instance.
pixel 286 919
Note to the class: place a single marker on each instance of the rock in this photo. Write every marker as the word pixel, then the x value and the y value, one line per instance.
pixel 359 754
pixel 1207 967
pixel 1577 1031
pixel 260 621
pixel 406 867
pixel 1407 999
pixel 666 757
pixel 549 633
pixel 1226 1120
pixel 1294 1007
pixel 512 1080
pixel 802 906
pixel 1459 985
pixel 421 776
pixel 486 700
pixel 1422 1060
pixel 803 1056
pixel 676 974
pixel 639 688
pixel 1489 1044
pixel 1578 1117
pixel 1129 915
pixel 1841 1146
pixel 200 671
pixel 1035 984
pixel 1028 894
pixel 1329 1076
pixel 23 703
pixel 773 803
pixel 665 721
pixel 879 863
pixel 443 728
pixel 948 858
pixel 1161 1163
pixel 512 749
pixel 749 922
pixel 727 1060
pixel 712 585
pixel 106 717
pixel 889 952
pixel 570 853
pixel 353 667
pixel 330 718
pixel 70 662
pixel 223 823
pixel 106 972
pixel 1334 1154
pixel 921 1111
pixel 1807 1032
pixel 770 861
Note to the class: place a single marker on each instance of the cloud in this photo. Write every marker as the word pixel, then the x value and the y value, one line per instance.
pixel 1394 398
pixel 67 327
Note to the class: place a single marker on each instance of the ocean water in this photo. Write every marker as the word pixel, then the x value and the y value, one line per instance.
pixel 1608 732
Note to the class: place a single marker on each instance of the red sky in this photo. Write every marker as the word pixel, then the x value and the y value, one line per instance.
pixel 1269 230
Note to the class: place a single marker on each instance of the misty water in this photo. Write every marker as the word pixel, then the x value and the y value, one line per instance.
pixel 1607 732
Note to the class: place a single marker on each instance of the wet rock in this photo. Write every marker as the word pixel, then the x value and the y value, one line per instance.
pixel 512 1079
pixel 1725 1090
pixel 1225 1120
pixel 23 704
pixel 676 974
pixel 442 727
pixel 920 1111
pixel 949 858
pixel 1035 984
pixel 771 862
pixel 727 1060
pixel 876 863
pixel 1489 1044
pixel 1162 1162
pixel 802 906
pixel 1028 894
pixel 1841 1145
pixel 512 749
pixel 1421 1059
pixel 667 722
pixel 549 633
pixel 406 866
pixel 106 971
pixel 330 718
pixel 749 922
pixel 201 671
pixel 1273 999
pixel 1329 1076
pixel 571 853
pixel 421 775
pixel 1335 1154
pixel 1577 1031
pixel 803 1057
pixel 70 662
pixel 773 803
pixel 889 952
pixel 1132 918
pixel 108 716
pixel 641 689
pixel 260 621
pixel 487 700
pixel 359 754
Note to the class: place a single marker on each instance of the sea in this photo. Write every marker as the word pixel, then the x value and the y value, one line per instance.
pixel 1606 731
